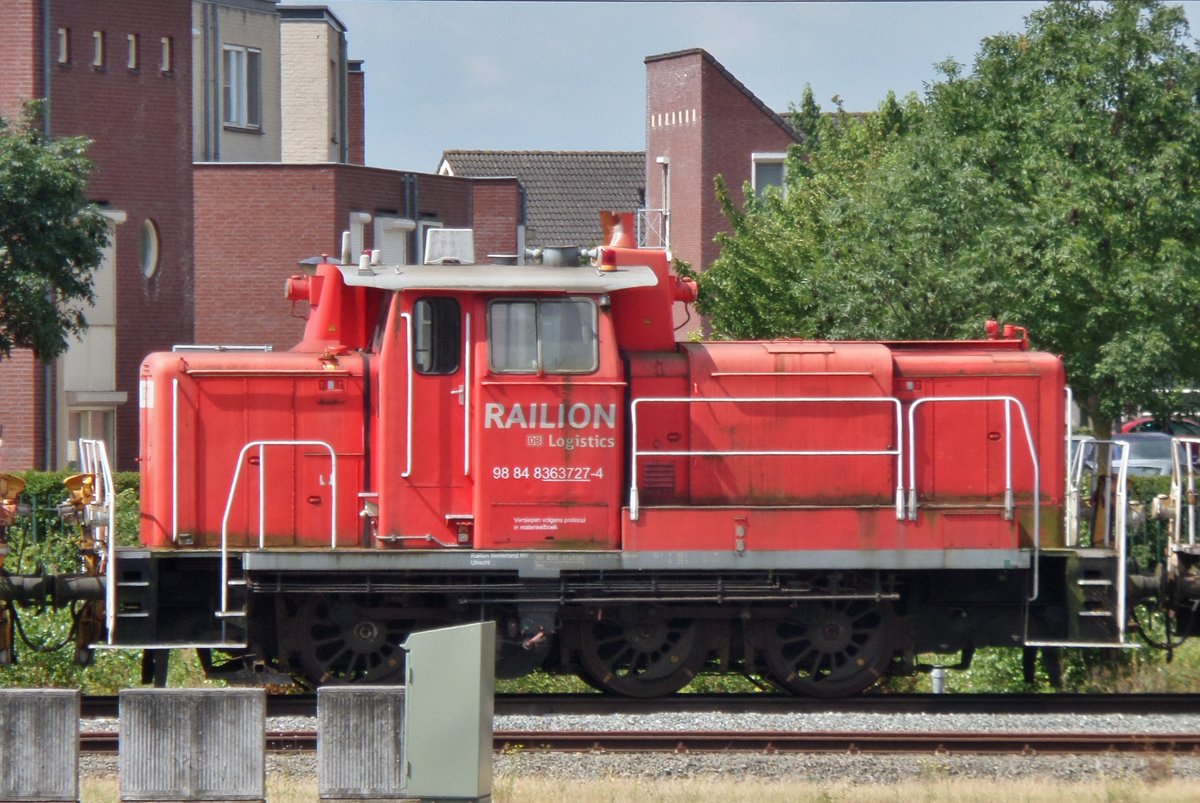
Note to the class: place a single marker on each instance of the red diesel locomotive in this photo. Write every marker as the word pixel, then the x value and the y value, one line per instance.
pixel 529 444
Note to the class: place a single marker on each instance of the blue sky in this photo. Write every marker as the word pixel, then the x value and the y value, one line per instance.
pixel 570 76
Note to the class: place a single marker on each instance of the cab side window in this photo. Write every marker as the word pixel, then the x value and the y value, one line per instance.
pixel 552 336
pixel 437 335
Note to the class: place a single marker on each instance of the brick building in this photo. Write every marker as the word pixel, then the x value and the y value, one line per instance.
pixel 200 251
pixel 701 122
pixel 119 73
pixel 255 218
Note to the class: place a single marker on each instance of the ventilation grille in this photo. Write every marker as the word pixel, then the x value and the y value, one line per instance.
pixel 658 476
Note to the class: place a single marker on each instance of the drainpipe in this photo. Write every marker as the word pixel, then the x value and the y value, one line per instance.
pixel 47 366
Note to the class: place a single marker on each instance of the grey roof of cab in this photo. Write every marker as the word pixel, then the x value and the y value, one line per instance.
pixel 518 278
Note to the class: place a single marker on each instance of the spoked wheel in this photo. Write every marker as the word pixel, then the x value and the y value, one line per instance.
pixel 832 648
pixel 347 639
pixel 642 653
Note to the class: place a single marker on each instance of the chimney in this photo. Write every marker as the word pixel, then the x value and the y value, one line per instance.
pixel 356 114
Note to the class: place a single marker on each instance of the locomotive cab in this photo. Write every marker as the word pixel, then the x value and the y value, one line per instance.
pixel 501 399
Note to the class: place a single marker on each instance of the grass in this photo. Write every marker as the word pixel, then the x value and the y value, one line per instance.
pixel 535 789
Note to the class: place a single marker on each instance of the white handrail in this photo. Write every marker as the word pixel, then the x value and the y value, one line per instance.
pixel 1008 512
pixel 408 438
pixel 466 397
pixel 1074 482
pixel 237 474
pixel 1122 503
pixel 93 459
pixel 175 461
pixel 1177 487
pixel 635 452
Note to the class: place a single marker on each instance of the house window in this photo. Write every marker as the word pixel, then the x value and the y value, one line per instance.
pixel 168 52
pixel 149 248
pixel 551 336
pixel 241 86
pixel 98 49
pixel 132 60
pixel 769 171
pixel 64 45
pixel 335 105
pixel 98 423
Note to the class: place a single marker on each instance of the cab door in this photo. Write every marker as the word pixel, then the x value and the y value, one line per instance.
pixel 548 424
pixel 424 407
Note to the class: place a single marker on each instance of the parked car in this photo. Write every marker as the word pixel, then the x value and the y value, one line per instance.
pixel 1172 426
pixel 1149 453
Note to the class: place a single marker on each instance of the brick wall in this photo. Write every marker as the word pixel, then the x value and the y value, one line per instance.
pixel 21 400
pixel 674 108
pixel 497 213
pixel 706 123
pixel 310 52
pixel 254 223
pixel 140 123
pixel 356 124
pixel 20 375
pixel 734 126
pixel 20 55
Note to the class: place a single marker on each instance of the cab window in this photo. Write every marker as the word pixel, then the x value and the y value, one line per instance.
pixel 437 338
pixel 547 336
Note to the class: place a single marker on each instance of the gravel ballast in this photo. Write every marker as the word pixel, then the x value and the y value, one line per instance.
pixel 861 768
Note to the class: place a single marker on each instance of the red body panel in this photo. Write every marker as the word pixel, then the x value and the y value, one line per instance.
pixel 420 483
pixel 844 529
pixel 957 452
pixel 198 412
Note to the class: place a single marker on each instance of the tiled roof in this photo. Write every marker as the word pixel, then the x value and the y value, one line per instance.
pixel 564 190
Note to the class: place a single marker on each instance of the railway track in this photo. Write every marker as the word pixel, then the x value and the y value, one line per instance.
pixel 301 705
pixel 771 742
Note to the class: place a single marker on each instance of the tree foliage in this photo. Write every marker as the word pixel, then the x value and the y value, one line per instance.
pixel 50 238
pixel 1054 187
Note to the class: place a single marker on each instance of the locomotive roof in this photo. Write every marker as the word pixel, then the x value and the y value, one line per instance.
pixel 520 278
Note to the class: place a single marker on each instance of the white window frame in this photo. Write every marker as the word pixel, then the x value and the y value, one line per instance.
pixel 757 159
pixel 98 49
pixel 133 60
pixel 167 56
pixel 64 45
pixel 238 108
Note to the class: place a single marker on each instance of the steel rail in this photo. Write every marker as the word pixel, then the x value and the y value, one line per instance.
pixel 770 742
pixel 305 705
pixel 846 742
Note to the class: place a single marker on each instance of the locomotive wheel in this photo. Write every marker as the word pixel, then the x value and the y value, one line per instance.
pixel 347 639
pixel 832 648
pixel 642 654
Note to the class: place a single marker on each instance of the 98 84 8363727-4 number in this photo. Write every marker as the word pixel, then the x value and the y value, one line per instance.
pixel 548 473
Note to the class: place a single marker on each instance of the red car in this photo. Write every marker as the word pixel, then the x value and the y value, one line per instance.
pixel 1173 426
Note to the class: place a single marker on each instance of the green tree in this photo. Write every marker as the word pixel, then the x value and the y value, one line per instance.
pixel 1054 186
pixel 50 237
pixel 779 272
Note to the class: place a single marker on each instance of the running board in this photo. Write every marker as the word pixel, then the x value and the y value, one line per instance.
pixel 183 645
pixel 1086 645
